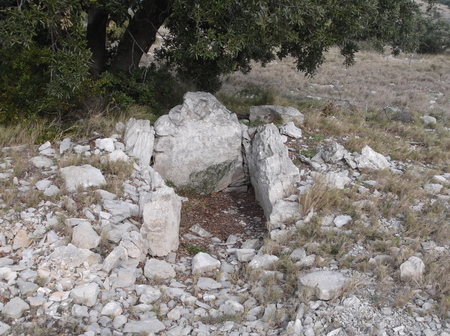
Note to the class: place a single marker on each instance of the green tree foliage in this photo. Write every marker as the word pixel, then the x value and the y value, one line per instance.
pixel 212 37
pixel 434 36
pixel 55 52
pixel 45 61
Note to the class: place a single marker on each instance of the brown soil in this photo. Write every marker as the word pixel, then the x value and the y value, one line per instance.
pixel 222 214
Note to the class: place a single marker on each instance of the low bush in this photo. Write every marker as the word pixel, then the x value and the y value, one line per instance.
pixel 434 36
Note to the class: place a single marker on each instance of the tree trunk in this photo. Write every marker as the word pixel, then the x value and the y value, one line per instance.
pixel 96 40
pixel 141 33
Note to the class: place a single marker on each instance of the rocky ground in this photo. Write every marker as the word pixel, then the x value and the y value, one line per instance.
pixel 229 276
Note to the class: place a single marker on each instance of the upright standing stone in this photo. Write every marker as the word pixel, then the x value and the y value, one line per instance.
pixel 272 173
pixel 161 221
pixel 198 145
pixel 139 139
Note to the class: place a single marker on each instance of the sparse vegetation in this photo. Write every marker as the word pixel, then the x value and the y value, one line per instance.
pixel 390 218
pixel 193 250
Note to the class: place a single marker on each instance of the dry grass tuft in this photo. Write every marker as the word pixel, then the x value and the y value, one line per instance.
pixel 321 198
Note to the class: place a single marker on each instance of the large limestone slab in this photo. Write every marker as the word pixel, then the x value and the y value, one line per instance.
pixel 161 221
pixel 139 140
pixel 272 173
pixel 73 256
pixel 325 284
pixel 198 144
pixel 82 176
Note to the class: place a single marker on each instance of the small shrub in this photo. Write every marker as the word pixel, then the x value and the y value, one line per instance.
pixel 434 37
pixel 151 86
pixel 193 250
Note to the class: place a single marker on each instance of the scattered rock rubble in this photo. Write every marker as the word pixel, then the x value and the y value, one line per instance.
pixel 111 268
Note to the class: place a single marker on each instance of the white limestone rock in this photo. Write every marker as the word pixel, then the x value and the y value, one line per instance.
pixel 6 273
pixel 21 240
pixel 198 145
pixel 412 269
pixel 151 178
pixel 271 113
pixel 43 184
pixel 106 195
pixel 41 162
pixel 433 188
pixel 4 328
pixel 272 173
pixel 371 160
pixel 289 129
pixel 65 145
pixel 119 210
pixel 263 261
pixel 342 220
pixel 106 144
pixel 112 308
pixel 82 176
pixel 325 284
pixel 203 262
pixel 231 308
pixel 161 221
pixel 85 294
pixel 116 232
pixel 428 120
pixel 84 236
pixel 114 258
pixel 200 231
pixel 139 140
pixel 135 245
pixel 118 155
pixel 284 211
pixel 73 256
pixel 336 180
pixel 15 308
pixel 333 153
pixel 150 295
pixel 158 269
pixel 298 254
pixel 208 284
pixel 150 326
pixel 51 191
pixel 245 255
pixel 123 277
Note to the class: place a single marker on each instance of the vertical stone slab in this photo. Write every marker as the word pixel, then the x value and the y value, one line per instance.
pixel 198 145
pixel 272 173
pixel 161 221
pixel 139 139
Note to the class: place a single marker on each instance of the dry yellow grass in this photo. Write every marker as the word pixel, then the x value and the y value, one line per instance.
pixel 374 82
pixel 348 105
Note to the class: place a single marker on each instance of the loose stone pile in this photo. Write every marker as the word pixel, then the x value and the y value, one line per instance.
pixel 111 266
